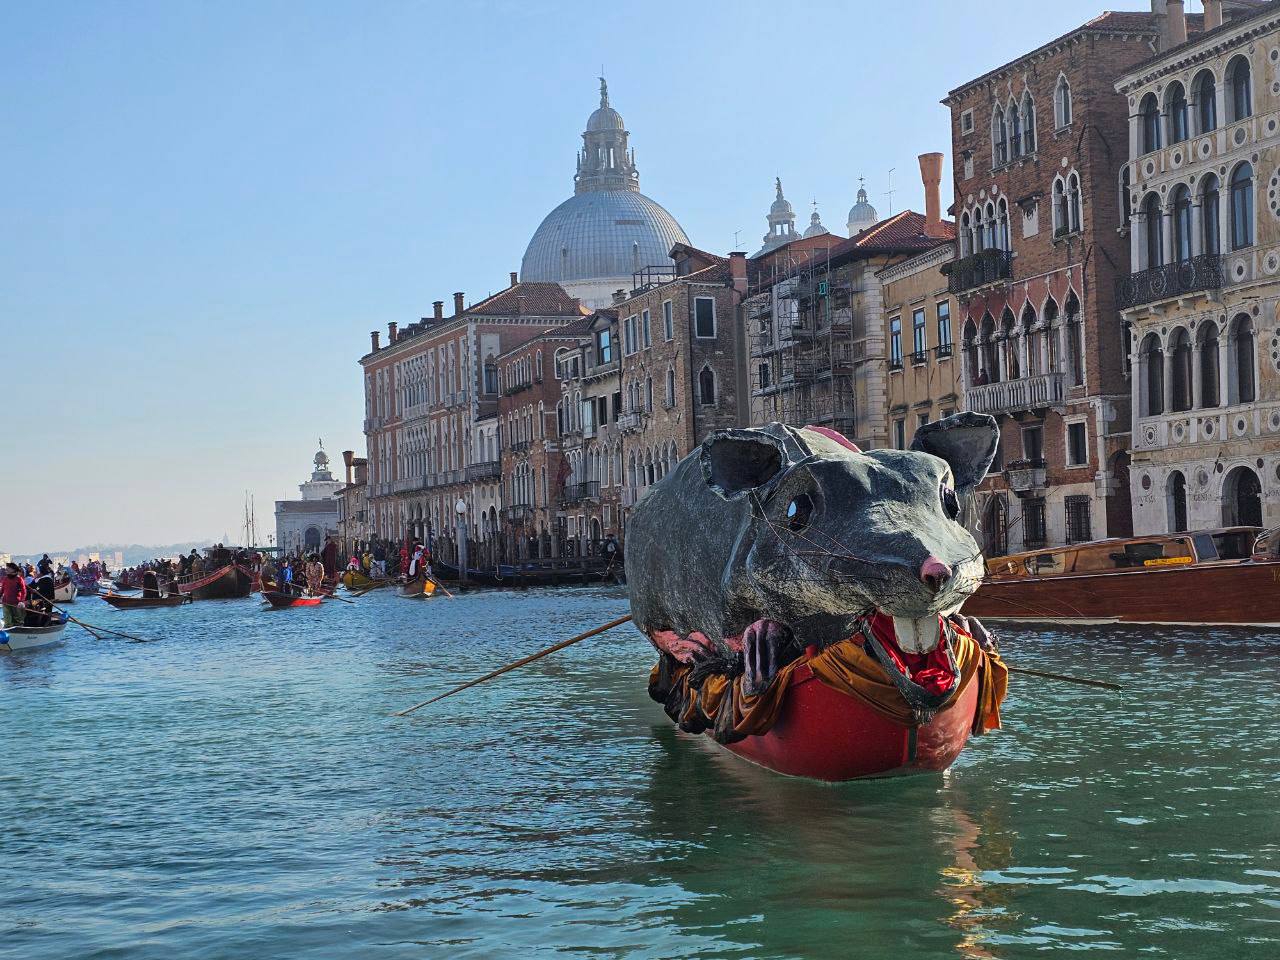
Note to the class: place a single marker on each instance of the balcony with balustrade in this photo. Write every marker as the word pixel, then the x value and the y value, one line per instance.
pixel 488 470
pixel 1169 281
pixel 1015 396
pixel 978 270
pixel 580 492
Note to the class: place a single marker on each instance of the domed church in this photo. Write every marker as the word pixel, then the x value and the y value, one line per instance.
pixel 595 241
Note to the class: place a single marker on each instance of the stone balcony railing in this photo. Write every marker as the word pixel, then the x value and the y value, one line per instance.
pixel 628 422
pixel 1011 396
pixel 1025 476
pixel 578 492
pixel 1171 280
pixel 488 470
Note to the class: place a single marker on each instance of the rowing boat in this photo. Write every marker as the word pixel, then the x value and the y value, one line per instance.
pixel 65 593
pixel 284 600
pixel 14 639
pixel 355 580
pixel 135 603
pixel 225 583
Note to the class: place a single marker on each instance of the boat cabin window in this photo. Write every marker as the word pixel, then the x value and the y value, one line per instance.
pixel 1154 554
pixel 1233 545
pixel 1045 564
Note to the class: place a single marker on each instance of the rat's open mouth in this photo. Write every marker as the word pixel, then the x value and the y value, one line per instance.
pixel 916 654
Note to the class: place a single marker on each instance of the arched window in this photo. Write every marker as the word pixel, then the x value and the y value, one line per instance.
pixel 1061 216
pixel 1176 107
pixel 1009 341
pixel 1003 241
pixel 999 137
pixel 1176 492
pixel 538 368
pixel 1209 371
pixel 707 387
pixel 1209 208
pixel 1062 103
pixel 992 227
pixel 979 231
pixel 1205 91
pixel 989 370
pixel 1242 207
pixel 1075 219
pixel 1075 341
pixel 1151 369
pixel 1242 499
pixel 671 386
pixel 1149 114
pixel 1014 121
pixel 1033 339
pixel 1155 231
pixel 1126 196
pixel 1239 90
pixel 1181 223
pixel 966 244
pixel 1028 124
pixel 1180 350
pixel 1240 351
pixel 971 365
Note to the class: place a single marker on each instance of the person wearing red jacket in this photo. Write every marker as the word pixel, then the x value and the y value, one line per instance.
pixel 13 594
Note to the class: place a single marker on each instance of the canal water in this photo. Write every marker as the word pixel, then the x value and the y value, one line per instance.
pixel 237 789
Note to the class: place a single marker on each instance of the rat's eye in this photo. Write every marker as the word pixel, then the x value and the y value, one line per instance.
pixel 798 512
pixel 950 502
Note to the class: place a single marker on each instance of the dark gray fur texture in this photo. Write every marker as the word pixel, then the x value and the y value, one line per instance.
pixel 710 548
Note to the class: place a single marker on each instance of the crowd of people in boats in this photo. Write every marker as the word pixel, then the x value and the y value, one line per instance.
pixel 28 591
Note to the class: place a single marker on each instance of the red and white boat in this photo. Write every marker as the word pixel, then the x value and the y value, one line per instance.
pixel 281 600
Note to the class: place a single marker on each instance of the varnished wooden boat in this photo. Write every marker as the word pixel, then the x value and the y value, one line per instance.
pixel 140 602
pixel 417 589
pixel 282 600
pixel 1204 578
pixel 355 580
pixel 226 583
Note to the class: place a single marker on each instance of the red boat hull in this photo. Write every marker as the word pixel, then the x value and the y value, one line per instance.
pixel 823 734
pixel 281 600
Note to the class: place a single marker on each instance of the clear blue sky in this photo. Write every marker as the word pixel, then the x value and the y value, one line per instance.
pixel 208 206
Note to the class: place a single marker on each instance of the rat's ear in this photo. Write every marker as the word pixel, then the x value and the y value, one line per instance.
pixel 967 441
pixel 736 461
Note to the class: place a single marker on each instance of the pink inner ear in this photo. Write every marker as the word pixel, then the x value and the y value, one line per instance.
pixel 838 437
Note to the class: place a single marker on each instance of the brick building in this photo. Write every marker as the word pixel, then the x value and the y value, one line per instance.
pixel 1202 302
pixel 1037 155
pixel 425 392
pixel 353 506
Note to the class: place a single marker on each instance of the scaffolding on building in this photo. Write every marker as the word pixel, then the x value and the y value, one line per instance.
pixel 806 343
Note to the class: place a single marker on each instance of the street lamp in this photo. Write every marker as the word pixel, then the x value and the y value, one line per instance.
pixel 461 509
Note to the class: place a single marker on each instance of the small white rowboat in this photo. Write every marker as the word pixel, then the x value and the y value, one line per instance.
pixel 13 639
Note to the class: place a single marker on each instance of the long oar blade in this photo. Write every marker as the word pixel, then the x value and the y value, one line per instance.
pixel 519 663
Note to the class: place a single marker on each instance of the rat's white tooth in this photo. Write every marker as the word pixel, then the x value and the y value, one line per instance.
pixel 919 635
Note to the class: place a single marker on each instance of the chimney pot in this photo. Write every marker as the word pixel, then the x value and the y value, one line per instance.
pixel 738 270
pixel 373 341
pixel 1176 22
pixel 391 332
pixel 1212 14
pixel 514 279
pixel 438 305
pixel 931 175
pixel 458 305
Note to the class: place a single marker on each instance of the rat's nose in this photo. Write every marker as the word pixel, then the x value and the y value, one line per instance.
pixel 934 574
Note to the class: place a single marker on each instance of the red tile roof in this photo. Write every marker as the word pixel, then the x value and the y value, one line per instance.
pixel 532 299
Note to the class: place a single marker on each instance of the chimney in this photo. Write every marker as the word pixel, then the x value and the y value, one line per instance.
pixel 391 332
pixel 619 296
pixel 514 279
pixel 458 306
pixel 439 309
pixel 738 271
pixel 347 457
pixel 931 174
pixel 1212 14
pixel 1176 22
pixel 373 341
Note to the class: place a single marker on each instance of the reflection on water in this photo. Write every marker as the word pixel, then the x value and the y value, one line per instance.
pixel 239 789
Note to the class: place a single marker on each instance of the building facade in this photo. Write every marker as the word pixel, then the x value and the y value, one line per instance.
pixel 1202 302
pixel 305 524
pixel 353 504
pixel 426 391
pixel 1037 166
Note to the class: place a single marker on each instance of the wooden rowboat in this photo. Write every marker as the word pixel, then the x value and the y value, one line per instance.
pixel 135 603
pixel 65 593
pixel 283 600
pixel 1206 577
pixel 228 582
pixel 355 580
pixel 14 639
pixel 823 734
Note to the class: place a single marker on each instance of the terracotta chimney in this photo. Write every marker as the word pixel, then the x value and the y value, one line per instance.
pixel 1212 14
pixel 347 457
pixel 458 305
pixel 439 309
pixel 373 341
pixel 1177 22
pixel 391 332
pixel 738 270
pixel 514 279
pixel 931 174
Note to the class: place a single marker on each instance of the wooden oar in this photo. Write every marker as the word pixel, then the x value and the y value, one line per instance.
pixel 1065 678
pixel 442 587
pixel 519 663
pixel 95 629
